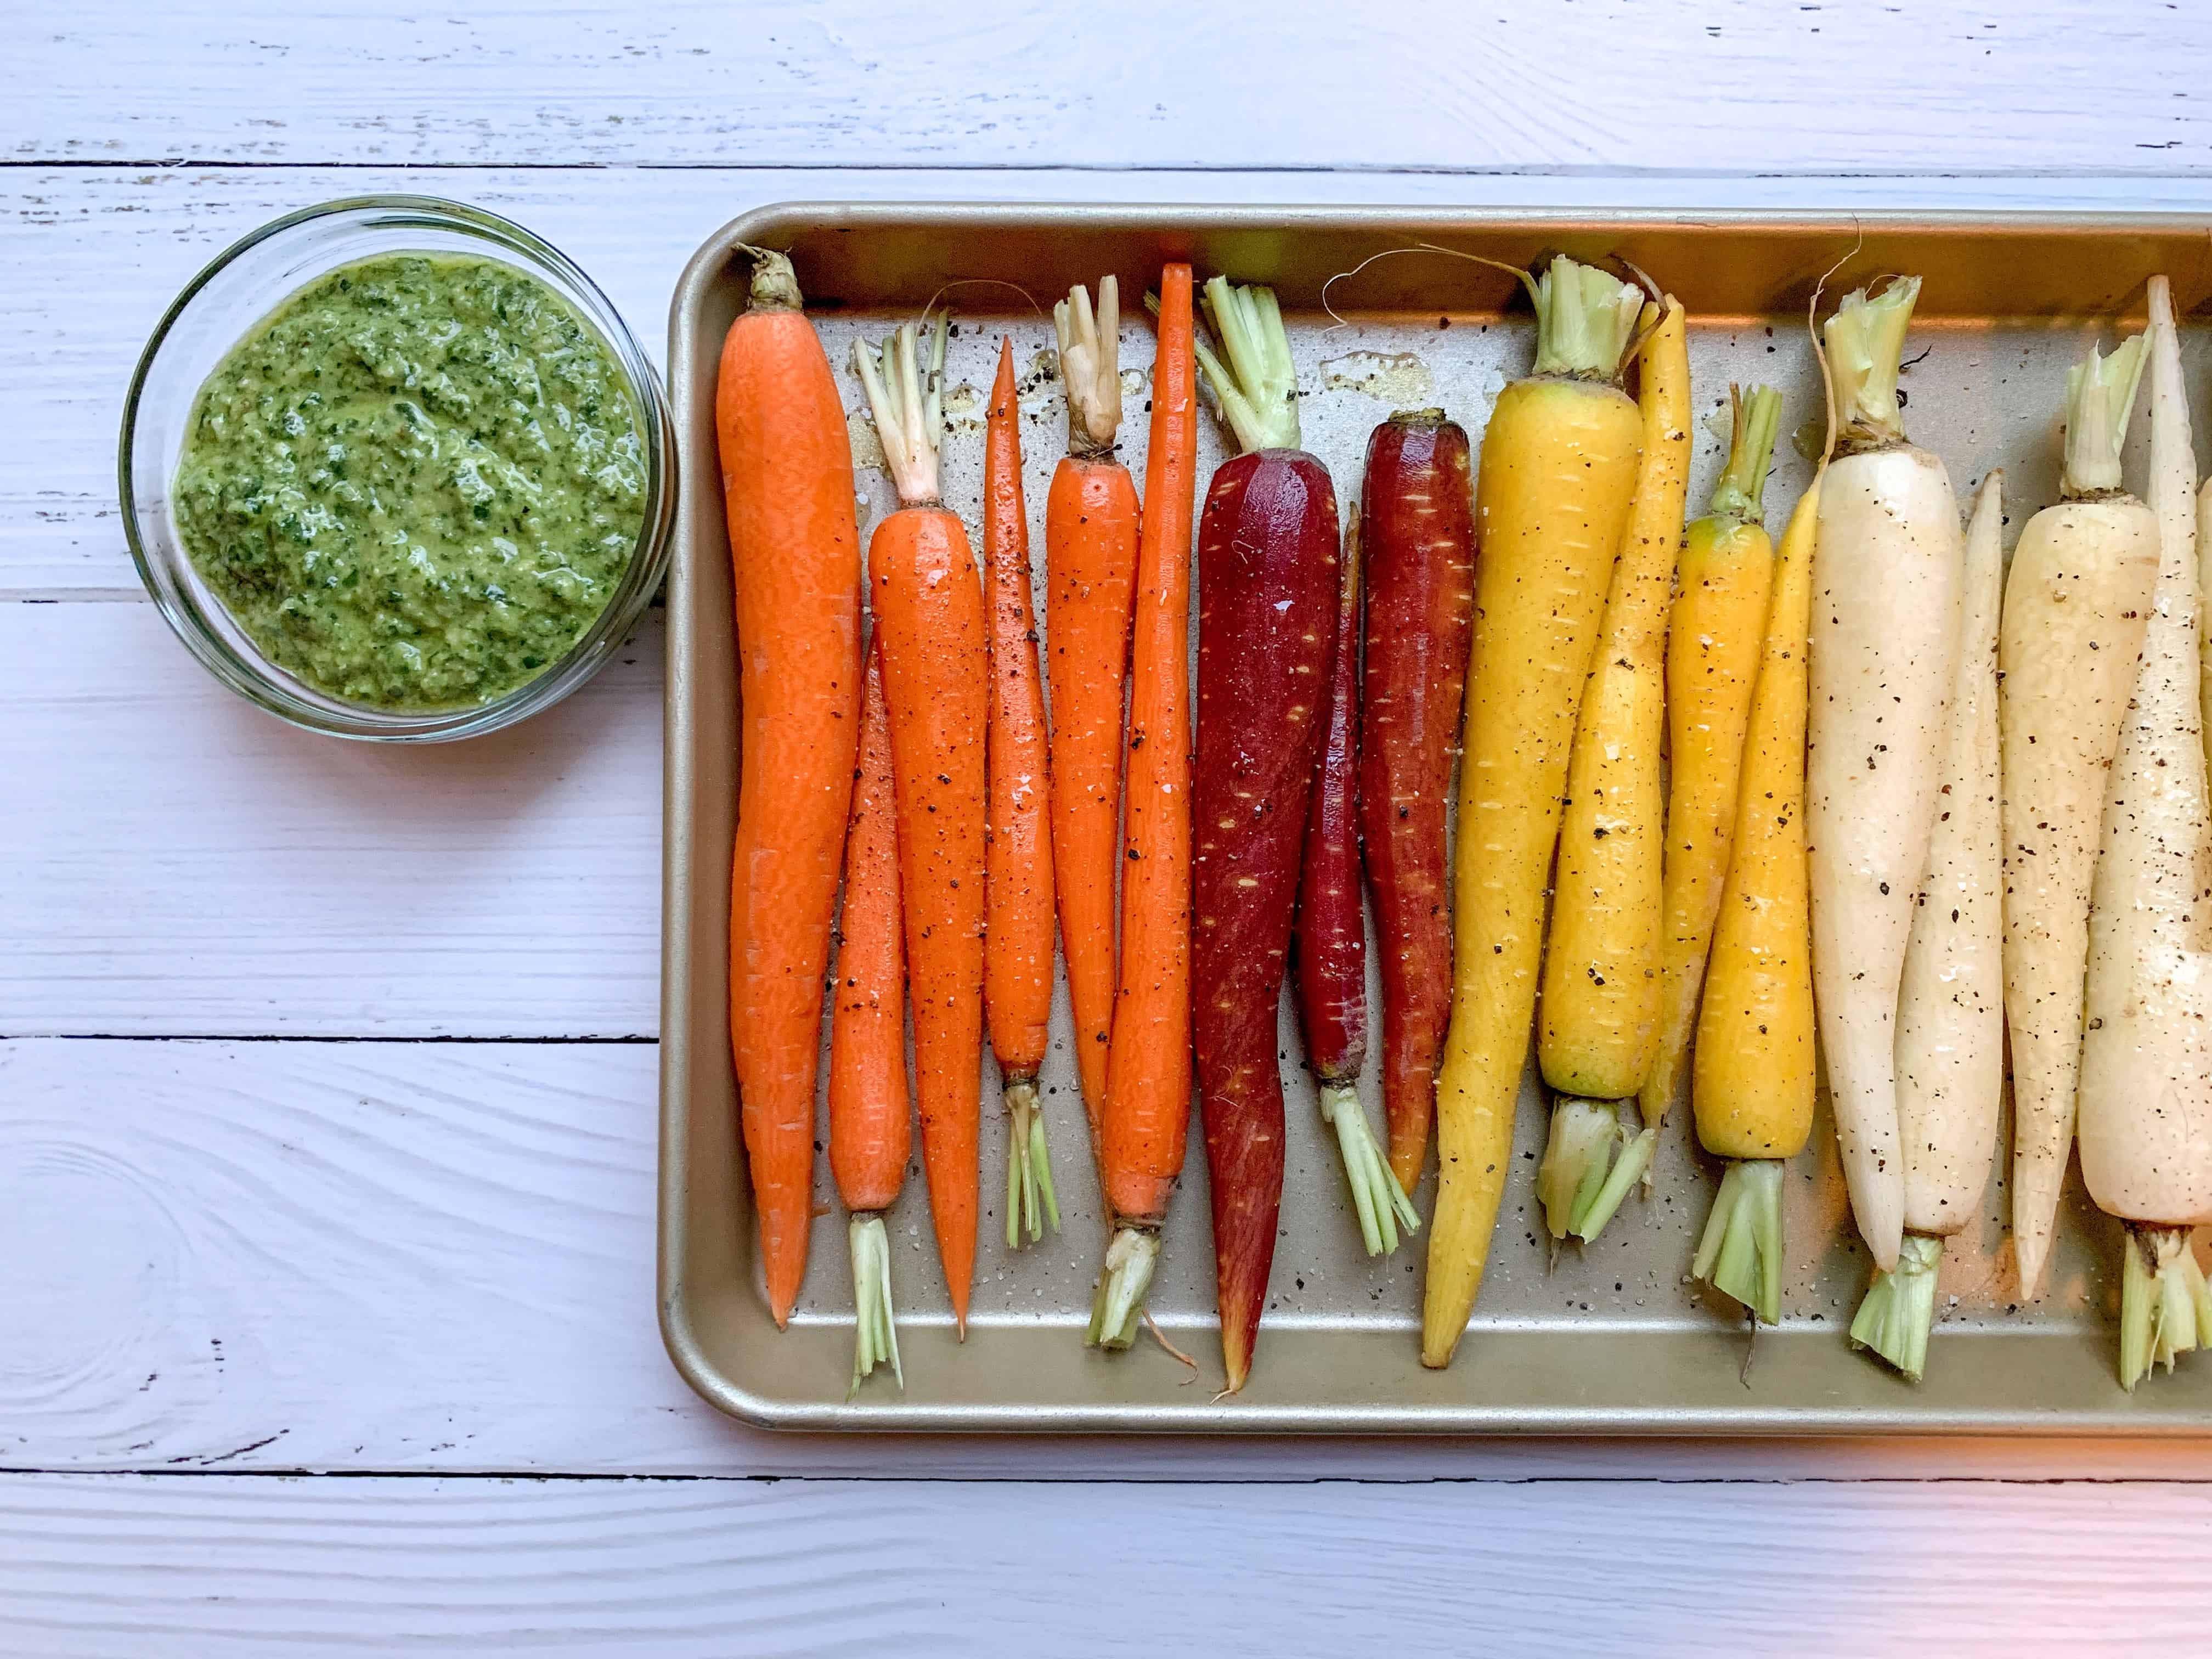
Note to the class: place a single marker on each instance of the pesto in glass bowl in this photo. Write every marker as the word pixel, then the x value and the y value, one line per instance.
pixel 421 490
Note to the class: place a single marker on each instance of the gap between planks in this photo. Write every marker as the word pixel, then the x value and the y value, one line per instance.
pixel 848 1478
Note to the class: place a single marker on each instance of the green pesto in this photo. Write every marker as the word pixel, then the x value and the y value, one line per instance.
pixel 417 483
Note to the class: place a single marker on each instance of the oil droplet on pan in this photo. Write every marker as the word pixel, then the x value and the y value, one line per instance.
pixel 1398 377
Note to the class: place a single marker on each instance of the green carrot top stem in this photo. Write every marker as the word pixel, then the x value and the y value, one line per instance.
pixel 1899 1309
pixel 2164 1308
pixel 1866 341
pixel 1091 366
pixel 1739 494
pixel 1258 388
pixel 1585 320
pixel 2100 396
pixel 907 398
pixel 875 1327
pixel 1740 1254
pixel 773 285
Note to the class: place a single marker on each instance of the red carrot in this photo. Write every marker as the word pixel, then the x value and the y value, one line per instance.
pixel 1417 537
pixel 1332 936
pixel 1147 1115
pixel 1332 932
pixel 1268 545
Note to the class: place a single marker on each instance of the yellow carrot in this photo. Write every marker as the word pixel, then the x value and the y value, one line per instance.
pixel 1714 641
pixel 1752 1081
pixel 1558 472
pixel 1600 1023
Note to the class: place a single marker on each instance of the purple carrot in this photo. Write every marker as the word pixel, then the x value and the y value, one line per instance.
pixel 1332 936
pixel 1417 536
pixel 1268 591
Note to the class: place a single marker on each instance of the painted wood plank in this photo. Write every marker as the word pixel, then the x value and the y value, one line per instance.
pixel 438 1258
pixel 127 1566
pixel 1696 85
pixel 94 254
pixel 179 862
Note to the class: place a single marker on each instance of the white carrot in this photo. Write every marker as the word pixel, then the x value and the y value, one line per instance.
pixel 2076 606
pixel 2146 1096
pixel 1884 641
pixel 1950 1019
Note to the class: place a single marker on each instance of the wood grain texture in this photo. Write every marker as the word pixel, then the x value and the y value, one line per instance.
pixel 328 1254
pixel 179 862
pixel 93 255
pixel 438 1258
pixel 1694 85
pixel 133 1564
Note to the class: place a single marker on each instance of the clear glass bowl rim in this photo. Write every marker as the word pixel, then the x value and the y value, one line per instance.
pixel 268 687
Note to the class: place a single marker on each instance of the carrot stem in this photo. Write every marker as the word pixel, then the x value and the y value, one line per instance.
pixel 1632 1168
pixel 1091 366
pixel 1031 1203
pixel 1258 389
pixel 1865 339
pixel 1596 1153
pixel 1899 1308
pixel 875 1330
pixel 908 401
pixel 1741 1254
pixel 1118 1309
pixel 1382 1203
pixel 2164 1308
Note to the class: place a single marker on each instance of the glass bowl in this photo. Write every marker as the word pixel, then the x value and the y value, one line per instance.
pixel 225 302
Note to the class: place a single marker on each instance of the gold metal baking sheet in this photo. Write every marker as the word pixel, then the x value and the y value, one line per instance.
pixel 1607 1340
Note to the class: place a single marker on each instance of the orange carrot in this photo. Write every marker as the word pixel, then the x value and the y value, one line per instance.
pixel 1091 572
pixel 869 1133
pixel 1017 934
pixel 795 558
pixel 1148 1118
pixel 929 620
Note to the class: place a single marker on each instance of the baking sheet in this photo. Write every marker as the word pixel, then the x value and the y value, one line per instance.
pixel 1609 1338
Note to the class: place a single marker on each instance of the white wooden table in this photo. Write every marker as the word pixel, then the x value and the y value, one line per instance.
pixel 327 1073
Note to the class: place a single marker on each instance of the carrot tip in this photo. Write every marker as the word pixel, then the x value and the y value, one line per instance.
pixel 1120 1304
